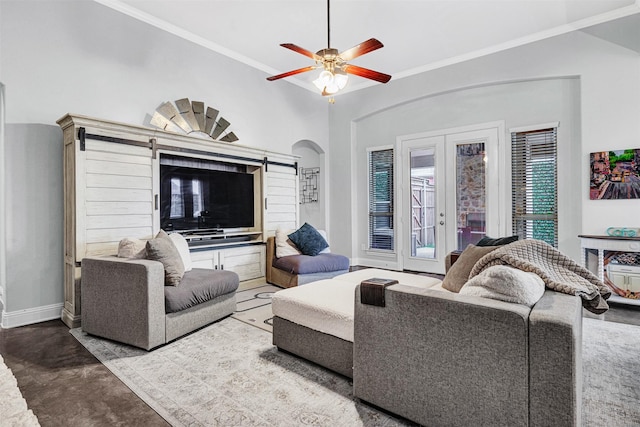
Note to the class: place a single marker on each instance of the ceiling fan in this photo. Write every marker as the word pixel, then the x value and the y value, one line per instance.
pixel 334 64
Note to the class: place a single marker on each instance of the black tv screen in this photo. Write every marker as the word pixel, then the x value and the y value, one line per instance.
pixel 202 199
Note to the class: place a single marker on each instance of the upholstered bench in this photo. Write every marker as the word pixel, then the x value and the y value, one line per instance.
pixel 315 321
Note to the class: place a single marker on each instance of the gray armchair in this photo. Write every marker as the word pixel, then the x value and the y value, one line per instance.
pixel 443 359
pixel 125 300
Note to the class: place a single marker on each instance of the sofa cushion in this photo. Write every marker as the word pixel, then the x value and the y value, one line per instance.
pixel 506 283
pixel 308 240
pixel 130 247
pixel 164 250
pixel 197 286
pixel 305 264
pixel 458 274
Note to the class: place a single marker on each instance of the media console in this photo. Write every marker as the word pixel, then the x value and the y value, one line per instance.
pixel 113 189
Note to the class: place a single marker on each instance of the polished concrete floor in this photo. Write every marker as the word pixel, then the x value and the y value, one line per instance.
pixel 65 385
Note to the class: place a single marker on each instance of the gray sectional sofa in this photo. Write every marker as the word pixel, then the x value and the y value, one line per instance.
pixel 440 358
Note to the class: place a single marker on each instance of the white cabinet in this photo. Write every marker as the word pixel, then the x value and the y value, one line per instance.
pixel 247 261
pixel 625 277
pixel 111 191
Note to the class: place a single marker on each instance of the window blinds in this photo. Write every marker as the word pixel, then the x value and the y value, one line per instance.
pixel 534 185
pixel 381 234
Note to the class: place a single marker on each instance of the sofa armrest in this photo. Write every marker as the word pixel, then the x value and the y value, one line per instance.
pixel 123 300
pixel 555 347
pixel 440 358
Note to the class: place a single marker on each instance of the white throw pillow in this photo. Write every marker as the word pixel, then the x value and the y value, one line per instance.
pixel 183 249
pixel 284 246
pixel 506 283
pixel 130 247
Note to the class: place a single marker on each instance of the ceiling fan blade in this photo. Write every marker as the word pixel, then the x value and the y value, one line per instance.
pixel 364 47
pixel 301 51
pixel 291 73
pixel 366 73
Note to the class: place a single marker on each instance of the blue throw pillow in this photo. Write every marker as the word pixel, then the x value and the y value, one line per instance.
pixel 308 240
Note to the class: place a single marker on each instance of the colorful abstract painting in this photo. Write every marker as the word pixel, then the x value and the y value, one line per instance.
pixel 615 174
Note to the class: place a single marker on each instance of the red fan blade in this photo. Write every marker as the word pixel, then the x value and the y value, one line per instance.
pixel 301 51
pixel 364 47
pixel 366 73
pixel 291 73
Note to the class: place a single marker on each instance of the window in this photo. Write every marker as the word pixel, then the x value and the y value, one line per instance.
pixel 534 185
pixel 381 233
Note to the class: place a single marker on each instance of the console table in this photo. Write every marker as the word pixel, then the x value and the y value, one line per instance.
pixel 608 243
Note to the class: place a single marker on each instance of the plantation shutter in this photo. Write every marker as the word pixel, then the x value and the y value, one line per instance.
pixel 534 185
pixel 381 234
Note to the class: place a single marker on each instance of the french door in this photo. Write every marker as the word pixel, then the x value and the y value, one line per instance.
pixel 450 193
pixel 423 203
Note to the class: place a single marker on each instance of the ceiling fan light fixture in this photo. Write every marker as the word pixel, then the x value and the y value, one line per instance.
pixel 340 78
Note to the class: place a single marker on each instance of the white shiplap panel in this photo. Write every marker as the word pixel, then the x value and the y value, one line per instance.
pixel 278 199
pixel 103 167
pixel 110 147
pixel 279 182
pixel 101 249
pixel 119 221
pixel 119 208
pixel 120 158
pixel 110 235
pixel 118 195
pixel 281 208
pixel 114 181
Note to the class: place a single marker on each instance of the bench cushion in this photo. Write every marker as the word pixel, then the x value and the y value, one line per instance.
pixel 305 264
pixel 197 286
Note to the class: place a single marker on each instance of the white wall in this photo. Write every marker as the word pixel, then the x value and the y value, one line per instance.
pixel 80 57
pixel 605 105
pixel 518 104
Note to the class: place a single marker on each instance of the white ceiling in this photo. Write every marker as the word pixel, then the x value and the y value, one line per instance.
pixel 418 35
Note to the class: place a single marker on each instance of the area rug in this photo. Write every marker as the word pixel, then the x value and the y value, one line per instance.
pixel 229 374
pixel 13 407
pixel 254 306
pixel 611 372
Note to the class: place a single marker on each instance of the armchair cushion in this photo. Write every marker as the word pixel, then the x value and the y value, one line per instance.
pixel 197 286
pixel 164 250
pixel 458 274
pixel 308 240
pixel 284 245
pixel 183 249
pixel 130 247
pixel 305 264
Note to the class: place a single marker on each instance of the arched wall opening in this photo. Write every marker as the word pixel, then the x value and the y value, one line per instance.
pixel 313 207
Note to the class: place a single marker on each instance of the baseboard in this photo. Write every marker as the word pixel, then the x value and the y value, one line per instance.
pixel 30 315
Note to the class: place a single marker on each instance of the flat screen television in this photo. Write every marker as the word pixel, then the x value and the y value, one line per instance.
pixel 194 199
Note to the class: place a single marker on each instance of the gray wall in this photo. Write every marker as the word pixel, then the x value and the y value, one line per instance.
pixel 605 106
pixel 34 200
pixel 59 57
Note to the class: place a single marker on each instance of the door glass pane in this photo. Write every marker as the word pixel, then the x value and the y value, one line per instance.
pixel 423 214
pixel 470 193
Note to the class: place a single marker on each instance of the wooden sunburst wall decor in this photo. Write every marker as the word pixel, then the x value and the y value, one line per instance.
pixel 192 117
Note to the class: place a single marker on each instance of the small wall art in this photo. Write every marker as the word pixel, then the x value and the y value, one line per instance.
pixel 615 174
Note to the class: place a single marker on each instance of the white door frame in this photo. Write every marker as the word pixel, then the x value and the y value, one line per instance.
pixel 496 183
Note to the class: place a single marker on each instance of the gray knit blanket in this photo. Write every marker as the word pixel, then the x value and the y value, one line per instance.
pixel 559 272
